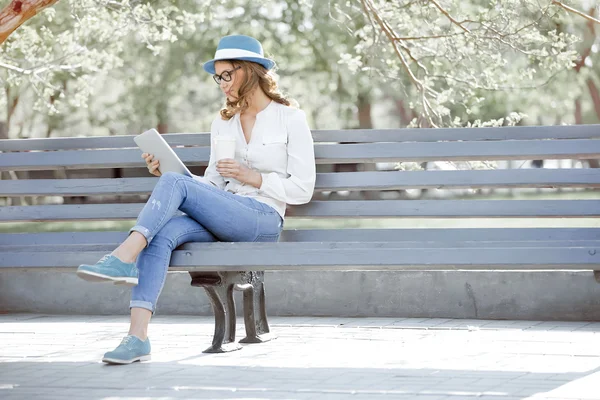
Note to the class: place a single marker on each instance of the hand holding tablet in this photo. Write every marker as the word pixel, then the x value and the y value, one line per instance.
pixel 157 149
pixel 152 164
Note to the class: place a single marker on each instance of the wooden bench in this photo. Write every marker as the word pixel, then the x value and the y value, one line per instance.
pixel 221 268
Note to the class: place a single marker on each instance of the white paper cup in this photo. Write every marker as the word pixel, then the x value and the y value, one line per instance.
pixel 224 147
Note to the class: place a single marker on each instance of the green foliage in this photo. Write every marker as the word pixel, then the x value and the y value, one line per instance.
pixel 448 55
pixel 121 66
pixel 63 55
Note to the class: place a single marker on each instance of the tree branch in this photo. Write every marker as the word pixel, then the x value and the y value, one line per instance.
pixel 387 30
pixel 429 37
pixel 17 12
pixel 447 14
pixel 575 11
pixel 398 45
pixel 586 53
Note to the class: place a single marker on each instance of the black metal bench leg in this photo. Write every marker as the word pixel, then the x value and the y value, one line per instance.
pixel 221 298
pixel 219 288
pixel 255 313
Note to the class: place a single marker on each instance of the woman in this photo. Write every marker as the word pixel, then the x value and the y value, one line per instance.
pixel 241 199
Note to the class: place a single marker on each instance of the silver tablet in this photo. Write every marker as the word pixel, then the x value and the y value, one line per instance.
pixel 152 142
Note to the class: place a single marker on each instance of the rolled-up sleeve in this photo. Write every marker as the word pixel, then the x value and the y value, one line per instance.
pixel 211 176
pixel 298 187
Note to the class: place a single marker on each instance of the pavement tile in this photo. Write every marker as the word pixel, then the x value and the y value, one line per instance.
pixel 58 356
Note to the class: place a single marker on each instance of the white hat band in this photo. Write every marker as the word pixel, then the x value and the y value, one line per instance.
pixel 225 54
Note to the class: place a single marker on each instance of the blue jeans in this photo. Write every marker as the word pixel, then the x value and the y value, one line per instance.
pixel 211 215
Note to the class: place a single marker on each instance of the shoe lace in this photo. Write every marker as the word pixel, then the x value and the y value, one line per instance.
pixel 126 340
pixel 104 258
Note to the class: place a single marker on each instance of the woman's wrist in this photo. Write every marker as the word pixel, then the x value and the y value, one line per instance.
pixel 254 179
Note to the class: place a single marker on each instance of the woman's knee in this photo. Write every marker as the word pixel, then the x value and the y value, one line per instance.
pixel 173 181
pixel 169 179
pixel 170 176
pixel 169 233
pixel 162 242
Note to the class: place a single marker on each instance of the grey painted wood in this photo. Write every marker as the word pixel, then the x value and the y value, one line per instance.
pixel 459 151
pixel 447 208
pixel 350 135
pixel 339 235
pixel 363 256
pixel 385 180
pixel 368 249
pixel 453 134
pixel 77 187
pixel 309 246
pixel 325 154
pixel 99 142
pixel 338 209
pixel 441 235
pixel 335 256
pixel 81 159
pixel 56 238
pixel 396 180
pixel 70 212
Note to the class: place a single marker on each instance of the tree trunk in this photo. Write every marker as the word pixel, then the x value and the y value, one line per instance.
pixel 594 94
pixel 162 112
pixel 365 122
pixel 593 163
pixel 581 63
pixel 17 12
pixel 364 111
pixel 578 114
pixel 11 106
pixel 3 130
pixel 406 115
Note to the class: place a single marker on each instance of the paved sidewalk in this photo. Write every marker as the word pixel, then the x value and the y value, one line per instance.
pixel 57 357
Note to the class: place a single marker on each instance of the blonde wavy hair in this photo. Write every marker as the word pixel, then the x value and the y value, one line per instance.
pixel 255 75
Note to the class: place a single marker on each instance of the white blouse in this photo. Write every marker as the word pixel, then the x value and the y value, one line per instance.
pixel 280 148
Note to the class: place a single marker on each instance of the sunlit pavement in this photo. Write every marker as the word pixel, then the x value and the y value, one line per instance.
pixel 58 357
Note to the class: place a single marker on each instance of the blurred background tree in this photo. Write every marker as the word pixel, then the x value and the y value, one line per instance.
pixel 112 67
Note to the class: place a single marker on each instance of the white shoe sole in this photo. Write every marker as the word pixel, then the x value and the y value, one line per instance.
pixel 117 361
pixel 96 277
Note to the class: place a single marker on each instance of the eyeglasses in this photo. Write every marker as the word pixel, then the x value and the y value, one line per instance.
pixel 225 75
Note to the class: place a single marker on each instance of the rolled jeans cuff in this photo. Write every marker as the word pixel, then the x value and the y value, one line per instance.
pixel 141 304
pixel 144 231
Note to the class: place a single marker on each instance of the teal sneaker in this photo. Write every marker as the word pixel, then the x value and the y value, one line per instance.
pixel 110 268
pixel 130 350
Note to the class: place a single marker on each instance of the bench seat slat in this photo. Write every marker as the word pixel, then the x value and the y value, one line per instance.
pixel 386 180
pixel 346 135
pixel 336 209
pixel 113 238
pixel 336 256
pixel 310 246
pixel 324 154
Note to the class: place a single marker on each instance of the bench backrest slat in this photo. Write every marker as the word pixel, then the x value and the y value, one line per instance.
pixel 385 180
pixel 336 209
pixel 325 154
pixel 348 136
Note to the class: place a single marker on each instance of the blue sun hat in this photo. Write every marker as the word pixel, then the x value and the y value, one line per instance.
pixel 239 47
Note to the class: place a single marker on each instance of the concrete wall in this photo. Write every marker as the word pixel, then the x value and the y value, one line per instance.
pixel 558 295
